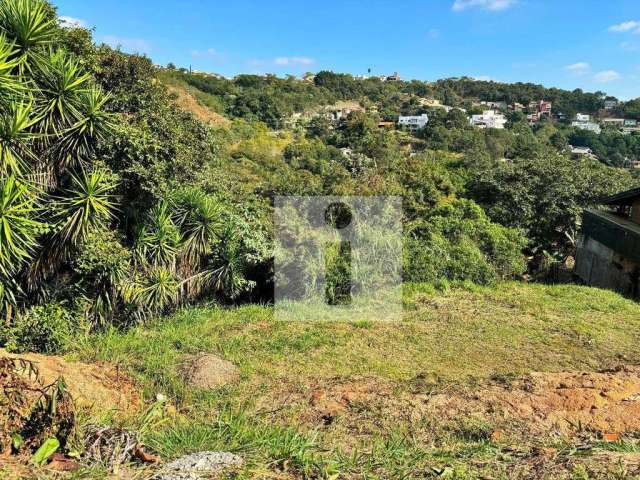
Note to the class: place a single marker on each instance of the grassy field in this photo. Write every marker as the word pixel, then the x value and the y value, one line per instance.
pixel 288 415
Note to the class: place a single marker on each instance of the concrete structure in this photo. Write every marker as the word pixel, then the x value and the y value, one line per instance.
pixel 580 150
pixel 488 119
pixel 414 122
pixel 608 254
pixel 630 122
pixel 583 117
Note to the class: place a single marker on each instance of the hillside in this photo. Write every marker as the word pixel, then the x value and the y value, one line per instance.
pixel 367 399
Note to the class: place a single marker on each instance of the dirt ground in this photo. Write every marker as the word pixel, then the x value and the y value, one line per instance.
pixel 568 405
pixel 102 387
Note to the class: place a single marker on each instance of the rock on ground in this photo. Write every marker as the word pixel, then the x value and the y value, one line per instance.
pixel 199 466
pixel 209 371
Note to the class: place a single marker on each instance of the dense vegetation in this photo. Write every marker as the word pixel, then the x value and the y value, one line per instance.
pixel 116 206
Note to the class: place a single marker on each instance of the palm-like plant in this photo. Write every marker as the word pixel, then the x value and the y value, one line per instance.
pixel 92 123
pixel 15 139
pixel 87 204
pixel 28 24
pixel 158 242
pixel 200 223
pixel 60 82
pixel 226 270
pixel 19 230
pixel 160 290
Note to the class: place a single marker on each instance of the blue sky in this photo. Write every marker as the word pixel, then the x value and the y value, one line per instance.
pixel 588 44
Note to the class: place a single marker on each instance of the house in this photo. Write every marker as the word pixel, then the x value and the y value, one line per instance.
pixel 542 108
pixel 393 78
pixel 414 122
pixel 341 110
pixel 610 104
pixel 580 151
pixel 516 107
pixel 494 105
pixel 630 122
pixel 608 253
pixel 386 124
pixel 618 122
pixel 584 122
pixel 488 119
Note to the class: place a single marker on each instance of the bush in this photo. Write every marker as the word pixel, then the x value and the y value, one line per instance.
pixel 42 329
pixel 459 243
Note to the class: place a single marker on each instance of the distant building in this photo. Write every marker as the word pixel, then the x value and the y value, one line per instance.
pixel 608 254
pixel 393 78
pixel 610 104
pixel 584 122
pixel 386 124
pixel 630 122
pixel 495 105
pixel 591 126
pixel 414 122
pixel 618 122
pixel 489 119
pixel 580 150
pixel 516 107
pixel 541 107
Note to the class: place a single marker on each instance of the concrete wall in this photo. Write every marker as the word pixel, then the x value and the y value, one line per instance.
pixel 599 266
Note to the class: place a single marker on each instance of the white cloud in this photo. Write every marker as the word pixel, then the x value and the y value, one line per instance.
pixel 606 76
pixel 580 68
pixel 70 22
pixel 136 45
pixel 493 5
pixel 628 26
pixel 291 61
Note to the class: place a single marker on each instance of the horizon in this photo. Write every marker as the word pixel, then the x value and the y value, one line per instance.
pixel 575 44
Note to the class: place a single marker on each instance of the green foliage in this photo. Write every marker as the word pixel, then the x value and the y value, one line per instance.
pixel 544 195
pixel 457 242
pixel 44 329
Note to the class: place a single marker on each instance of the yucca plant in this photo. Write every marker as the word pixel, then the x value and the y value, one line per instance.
pixel 158 242
pixel 159 291
pixel 200 218
pixel 226 270
pixel 19 229
pixel 15 139
pixel 86 204
pixel 28 24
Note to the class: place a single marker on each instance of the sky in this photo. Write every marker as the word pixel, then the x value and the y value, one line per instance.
pixel 588 44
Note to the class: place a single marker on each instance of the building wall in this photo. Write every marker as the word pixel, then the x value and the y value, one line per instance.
pixel 599 266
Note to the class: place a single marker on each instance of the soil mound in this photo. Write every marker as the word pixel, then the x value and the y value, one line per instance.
pixel 208 371
pixel 91 385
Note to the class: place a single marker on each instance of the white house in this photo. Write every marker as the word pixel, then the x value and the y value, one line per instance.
pixel 594 127
pixel 584 122
pixel 489 119
pixel 414 122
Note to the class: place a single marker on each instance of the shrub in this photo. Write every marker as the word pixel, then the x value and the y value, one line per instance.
pixel 42 329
